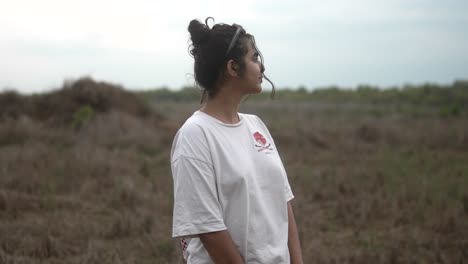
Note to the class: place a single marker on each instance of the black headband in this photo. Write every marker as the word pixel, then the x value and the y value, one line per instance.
pixel 234 38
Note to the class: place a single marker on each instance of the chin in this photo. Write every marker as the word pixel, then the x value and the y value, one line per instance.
pixel 253 89
pixel 257 90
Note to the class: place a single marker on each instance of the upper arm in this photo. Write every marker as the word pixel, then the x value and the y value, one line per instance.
pixel 221 247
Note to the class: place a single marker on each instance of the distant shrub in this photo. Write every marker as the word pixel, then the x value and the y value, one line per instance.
pixel 82 116
pixel 452 110
pixel 61 106
pixel 75 103
pixel 12 105
pixel 186 94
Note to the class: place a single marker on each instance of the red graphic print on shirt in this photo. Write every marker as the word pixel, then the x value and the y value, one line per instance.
pixel 262 143
pixel 183 244
pixel 259 138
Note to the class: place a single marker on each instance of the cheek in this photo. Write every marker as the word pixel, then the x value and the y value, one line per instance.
pixel 255 67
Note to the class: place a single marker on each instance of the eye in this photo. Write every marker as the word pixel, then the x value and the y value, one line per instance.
pixel 256 55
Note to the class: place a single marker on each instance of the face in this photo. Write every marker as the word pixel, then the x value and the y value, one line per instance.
pixel 253 75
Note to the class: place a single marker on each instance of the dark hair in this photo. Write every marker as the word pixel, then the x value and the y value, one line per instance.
pixel 213 48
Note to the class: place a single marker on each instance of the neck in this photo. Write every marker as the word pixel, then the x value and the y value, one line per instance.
pixel 224 106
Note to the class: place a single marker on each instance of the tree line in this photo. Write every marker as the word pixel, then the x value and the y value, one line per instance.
pixel 426 94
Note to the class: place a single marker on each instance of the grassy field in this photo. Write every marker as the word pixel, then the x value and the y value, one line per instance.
pixel 90 184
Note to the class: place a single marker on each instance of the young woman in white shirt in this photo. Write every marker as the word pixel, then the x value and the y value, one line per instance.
pixel 232 199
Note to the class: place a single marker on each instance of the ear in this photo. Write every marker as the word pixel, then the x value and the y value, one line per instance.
pixel 231 68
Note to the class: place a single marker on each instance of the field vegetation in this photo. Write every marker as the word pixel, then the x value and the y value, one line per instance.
pixel 379 175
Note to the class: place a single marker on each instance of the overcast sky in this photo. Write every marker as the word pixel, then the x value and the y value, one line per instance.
pixel 142 44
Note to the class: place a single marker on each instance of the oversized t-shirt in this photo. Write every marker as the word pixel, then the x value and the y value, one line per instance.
pixel 230 176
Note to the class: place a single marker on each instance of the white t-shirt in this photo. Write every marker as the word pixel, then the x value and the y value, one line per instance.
pixel 230 176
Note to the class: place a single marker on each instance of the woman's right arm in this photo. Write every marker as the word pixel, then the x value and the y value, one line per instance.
pixel 221 248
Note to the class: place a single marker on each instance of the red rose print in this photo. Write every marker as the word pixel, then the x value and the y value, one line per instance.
pixel 259 138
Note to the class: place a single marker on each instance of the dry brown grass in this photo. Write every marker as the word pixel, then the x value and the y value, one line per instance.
pixel 370 188
pixel 98 195
pixel 386 189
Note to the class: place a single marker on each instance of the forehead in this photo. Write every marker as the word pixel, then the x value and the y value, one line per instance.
pixel 249 44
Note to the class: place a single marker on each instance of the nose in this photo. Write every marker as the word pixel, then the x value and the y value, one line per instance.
pixel 262 68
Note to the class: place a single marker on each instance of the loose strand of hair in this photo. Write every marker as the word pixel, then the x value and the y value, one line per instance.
pixel 262 60
pixel 206 21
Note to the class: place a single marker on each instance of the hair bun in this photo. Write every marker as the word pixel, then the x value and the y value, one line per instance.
pixel 198 32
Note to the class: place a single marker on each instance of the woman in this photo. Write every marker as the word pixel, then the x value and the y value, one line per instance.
pixel 231 193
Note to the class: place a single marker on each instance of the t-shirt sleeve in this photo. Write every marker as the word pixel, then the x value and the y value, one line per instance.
pixel 287 188
pixel 196 206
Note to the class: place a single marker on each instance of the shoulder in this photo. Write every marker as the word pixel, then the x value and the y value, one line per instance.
pixel 257 124
pixel 250 117
pixel 193 126
pixel 191 140
pixel 253 119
